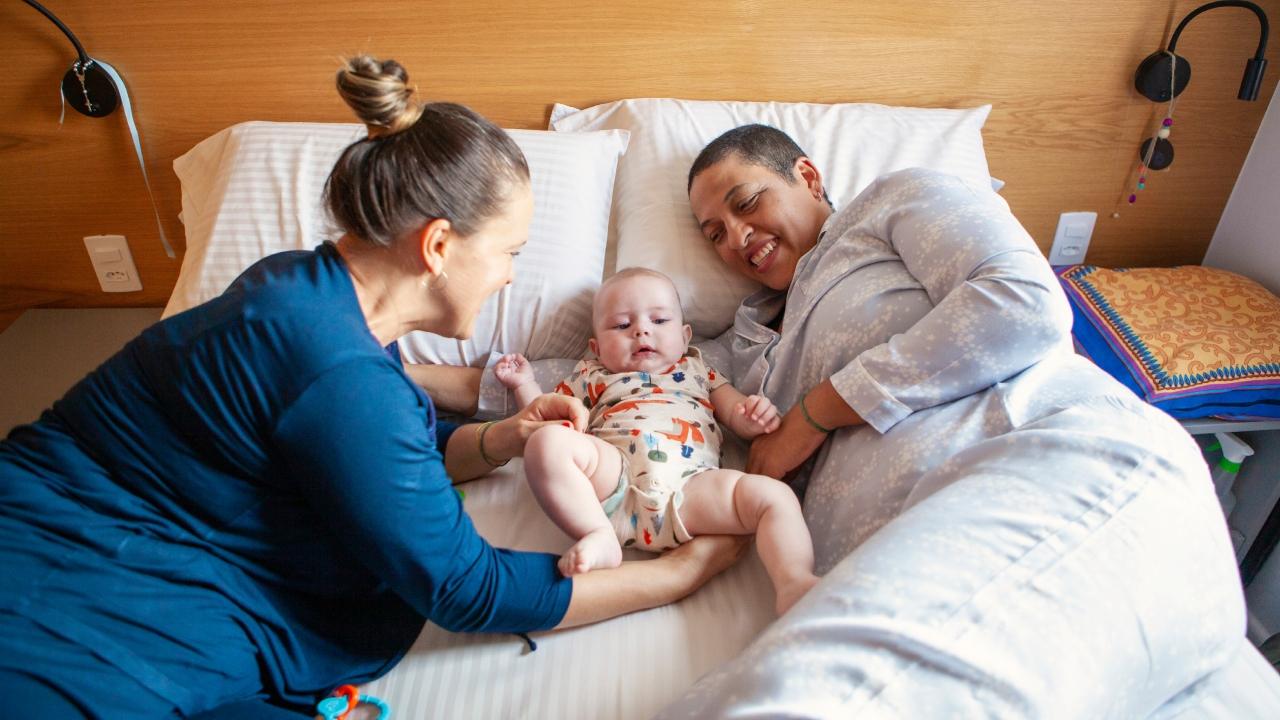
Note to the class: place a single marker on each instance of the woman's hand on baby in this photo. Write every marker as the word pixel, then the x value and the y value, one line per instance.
pixel 513 370
pixel 706 556
pixel 755 416
pixel 549 409
pixel 785 449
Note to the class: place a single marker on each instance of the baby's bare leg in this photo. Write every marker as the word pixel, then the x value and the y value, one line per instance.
pixel 731 502
pixel 570 473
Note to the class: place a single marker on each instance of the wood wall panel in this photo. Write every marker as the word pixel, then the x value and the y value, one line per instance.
pixel 1063 133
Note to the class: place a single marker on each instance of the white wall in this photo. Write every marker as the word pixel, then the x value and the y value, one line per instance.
pixel 1247 240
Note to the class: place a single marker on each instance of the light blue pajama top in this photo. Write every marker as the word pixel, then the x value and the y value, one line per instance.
pixel 1012 533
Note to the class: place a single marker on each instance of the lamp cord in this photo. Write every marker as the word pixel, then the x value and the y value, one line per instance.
pixel 1165 123
pixel 1262 18
pixel 84 57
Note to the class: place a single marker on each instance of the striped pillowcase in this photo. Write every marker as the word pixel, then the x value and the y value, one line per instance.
pixel 256 188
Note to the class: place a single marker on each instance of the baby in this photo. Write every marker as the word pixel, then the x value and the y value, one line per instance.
pixel 647 473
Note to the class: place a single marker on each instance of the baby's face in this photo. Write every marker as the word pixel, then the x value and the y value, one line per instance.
pixel 638 325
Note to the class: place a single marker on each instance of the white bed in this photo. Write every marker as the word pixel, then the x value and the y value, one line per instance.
pixel 627 668
pixel 631 667
pixel 254 189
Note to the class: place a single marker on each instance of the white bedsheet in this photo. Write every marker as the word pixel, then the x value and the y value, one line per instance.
pixel 629 667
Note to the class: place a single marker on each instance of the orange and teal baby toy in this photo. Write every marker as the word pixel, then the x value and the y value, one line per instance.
pixel 344 701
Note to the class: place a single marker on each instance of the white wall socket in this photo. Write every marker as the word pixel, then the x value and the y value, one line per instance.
pixel 1071 241
pixel 113 263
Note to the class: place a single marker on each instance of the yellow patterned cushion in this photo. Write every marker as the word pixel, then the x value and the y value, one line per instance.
pixel 1195 340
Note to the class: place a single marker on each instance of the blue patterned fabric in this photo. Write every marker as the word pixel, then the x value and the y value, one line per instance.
pixel 1193 341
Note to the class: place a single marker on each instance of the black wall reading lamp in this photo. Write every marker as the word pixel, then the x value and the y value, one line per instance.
pixel 86 87
pixel 1163 75
pixel 94 88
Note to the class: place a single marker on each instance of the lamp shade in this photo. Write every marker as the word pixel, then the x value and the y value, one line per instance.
pixel 1251 83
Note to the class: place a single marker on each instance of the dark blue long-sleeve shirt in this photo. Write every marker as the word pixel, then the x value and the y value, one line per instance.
pixel 252 487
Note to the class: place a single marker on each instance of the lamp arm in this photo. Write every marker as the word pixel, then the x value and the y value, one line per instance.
pixel 84 57
pixel 1262 19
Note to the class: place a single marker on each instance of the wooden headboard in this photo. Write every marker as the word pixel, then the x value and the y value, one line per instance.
pixel 1064 131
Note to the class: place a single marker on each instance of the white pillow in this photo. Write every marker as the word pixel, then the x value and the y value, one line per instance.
pixel 851 144
pixel 256 188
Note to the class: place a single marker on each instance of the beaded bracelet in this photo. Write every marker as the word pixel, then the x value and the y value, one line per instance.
pixel 484 428
pixel 809 418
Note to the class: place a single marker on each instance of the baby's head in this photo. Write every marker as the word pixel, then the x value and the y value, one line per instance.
pixel 637 322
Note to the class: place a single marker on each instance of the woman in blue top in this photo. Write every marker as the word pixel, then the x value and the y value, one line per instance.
pixel 252 503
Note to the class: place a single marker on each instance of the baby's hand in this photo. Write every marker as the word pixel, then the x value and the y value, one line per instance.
pixel 757 415
pixel 513 370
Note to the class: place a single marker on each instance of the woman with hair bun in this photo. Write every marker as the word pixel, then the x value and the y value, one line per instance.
pixel 252 502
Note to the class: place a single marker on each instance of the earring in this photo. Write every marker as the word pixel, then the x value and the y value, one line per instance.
pixel 436 283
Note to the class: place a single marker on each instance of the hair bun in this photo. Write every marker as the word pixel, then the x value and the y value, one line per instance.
pixel 379 94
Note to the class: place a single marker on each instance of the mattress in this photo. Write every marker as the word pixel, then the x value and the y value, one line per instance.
pixel 628 667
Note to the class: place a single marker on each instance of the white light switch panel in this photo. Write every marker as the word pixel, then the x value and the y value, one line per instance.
pixel 1071 241
pixel 113 263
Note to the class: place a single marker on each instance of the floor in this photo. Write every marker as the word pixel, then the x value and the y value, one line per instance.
pixel 44 352
pixel 7 317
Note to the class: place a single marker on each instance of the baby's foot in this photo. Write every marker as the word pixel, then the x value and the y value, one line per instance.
pixel 597 549
pixel 790 593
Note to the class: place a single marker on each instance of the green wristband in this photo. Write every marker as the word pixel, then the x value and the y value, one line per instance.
pixel 809 418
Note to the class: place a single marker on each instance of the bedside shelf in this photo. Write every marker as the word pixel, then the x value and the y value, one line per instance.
pixel 1206 426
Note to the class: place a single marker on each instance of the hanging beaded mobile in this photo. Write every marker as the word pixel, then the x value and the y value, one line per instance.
pixel 1162 133
pixel 1165 126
